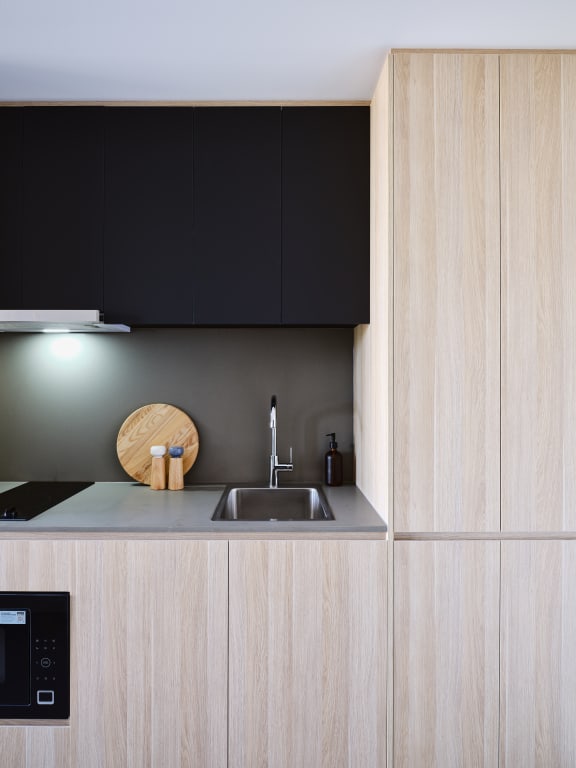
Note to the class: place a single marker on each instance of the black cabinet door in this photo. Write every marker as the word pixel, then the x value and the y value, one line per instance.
pixel 326 215
pixel 149 222
pixel 62 207
pixel 238 212
pixel 10 208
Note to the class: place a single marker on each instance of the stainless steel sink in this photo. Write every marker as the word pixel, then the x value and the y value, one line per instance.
pixel 273 504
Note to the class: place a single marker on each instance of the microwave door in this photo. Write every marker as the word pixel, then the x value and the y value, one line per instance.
pixel 15 658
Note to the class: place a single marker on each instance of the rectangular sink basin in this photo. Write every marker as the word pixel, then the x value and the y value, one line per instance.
pixel 273 504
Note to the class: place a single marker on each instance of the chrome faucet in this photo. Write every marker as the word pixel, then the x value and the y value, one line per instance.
pixel 275 467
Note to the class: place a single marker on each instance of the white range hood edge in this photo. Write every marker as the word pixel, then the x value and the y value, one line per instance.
pixel 56 321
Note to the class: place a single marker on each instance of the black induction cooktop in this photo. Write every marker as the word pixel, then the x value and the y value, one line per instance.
pixel 30 499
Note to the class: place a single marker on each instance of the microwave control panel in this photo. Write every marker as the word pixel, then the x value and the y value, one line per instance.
pixel 34 655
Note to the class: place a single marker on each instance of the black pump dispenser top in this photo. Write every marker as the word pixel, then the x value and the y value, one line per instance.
pixel 332 436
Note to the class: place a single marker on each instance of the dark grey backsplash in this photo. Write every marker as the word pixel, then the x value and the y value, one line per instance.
pixel 59 418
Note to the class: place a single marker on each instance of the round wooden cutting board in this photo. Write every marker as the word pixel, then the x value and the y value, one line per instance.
pixel 155 424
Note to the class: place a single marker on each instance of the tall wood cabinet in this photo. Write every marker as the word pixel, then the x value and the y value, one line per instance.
pixel 446 293
pixel 484 447
pixel 538 166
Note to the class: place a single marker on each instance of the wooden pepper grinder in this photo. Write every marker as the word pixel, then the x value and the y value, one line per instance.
pixel 175 470
pixel 158 471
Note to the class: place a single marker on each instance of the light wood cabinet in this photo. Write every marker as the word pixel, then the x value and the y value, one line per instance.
pixel 484 408
pixel 211 653
pixel 149 647
pixel 446 639
pixel 470 191
pixel 538 161
pixel 446 292
pixel 538 663
pixel 307 654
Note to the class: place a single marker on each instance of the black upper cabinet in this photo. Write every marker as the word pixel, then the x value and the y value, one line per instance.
pixel 326 215
pixel 10 208
pixel 149 216
pixel 187 216
pixel 61 214
pixel 238 210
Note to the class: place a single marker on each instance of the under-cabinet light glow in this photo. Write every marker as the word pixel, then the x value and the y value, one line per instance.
pixel 66 347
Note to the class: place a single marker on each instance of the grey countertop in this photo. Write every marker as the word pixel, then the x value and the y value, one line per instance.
pixel 133 508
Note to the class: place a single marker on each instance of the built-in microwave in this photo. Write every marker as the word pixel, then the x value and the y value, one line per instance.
pixel 34 655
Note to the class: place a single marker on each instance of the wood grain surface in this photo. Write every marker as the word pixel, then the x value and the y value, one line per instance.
pixel 538 135
pixel 446 625
pixel 155 424
pixel 307 654
pixel 446 293
pixel 148 666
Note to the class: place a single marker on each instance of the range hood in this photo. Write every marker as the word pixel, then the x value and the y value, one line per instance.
pixel 56 321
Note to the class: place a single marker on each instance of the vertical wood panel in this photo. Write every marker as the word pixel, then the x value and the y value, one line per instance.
pixel 538 664
pixel 446 629
pixel 538 289
pixel 307 654
pixel 373 342
pixel 446 292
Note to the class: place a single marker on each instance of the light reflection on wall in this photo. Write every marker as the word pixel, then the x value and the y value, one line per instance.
pixel 66 346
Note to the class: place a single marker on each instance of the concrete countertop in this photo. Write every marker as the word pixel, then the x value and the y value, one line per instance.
pixel 133 508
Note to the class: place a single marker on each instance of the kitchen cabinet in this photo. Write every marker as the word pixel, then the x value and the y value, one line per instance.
pixel 148 652
pixel 325 215
pixel 483 372
pixel 10 205
pixel 52 223
pixel 484 347
pixel 538 162
pixel 446 292
pixel 538 665
pixel 238 210
pixel 307 654
pixel 211 653
pixel 188 216
pixel 446 651
pixel 149 216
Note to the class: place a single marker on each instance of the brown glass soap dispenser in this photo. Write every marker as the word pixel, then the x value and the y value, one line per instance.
pixel 333 463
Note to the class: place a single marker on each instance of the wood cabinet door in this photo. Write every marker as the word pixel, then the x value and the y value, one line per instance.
pixel 538 138
pixel 538 664
pixel 325 215
pixel 238 211
pixel 446 292
pixel 149 216
pixel 149 645
pixel 307 654
pixel 446 630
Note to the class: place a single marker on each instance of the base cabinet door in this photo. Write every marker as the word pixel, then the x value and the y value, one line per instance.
pixel 446 625
pixel 307 654
pixel 538 663
pixel 148 660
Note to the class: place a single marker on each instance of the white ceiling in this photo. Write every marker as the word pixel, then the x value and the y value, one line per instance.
pixel 263 50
